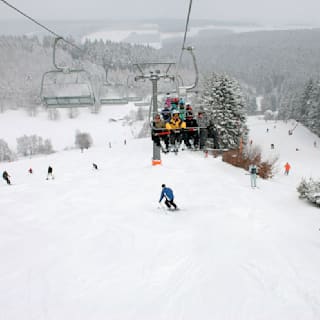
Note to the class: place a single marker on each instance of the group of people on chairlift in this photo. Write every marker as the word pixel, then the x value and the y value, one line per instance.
pixel 176 124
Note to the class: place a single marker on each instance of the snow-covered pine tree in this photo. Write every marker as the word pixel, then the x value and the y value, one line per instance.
pixel 223 100
pixel 312 120
pixel 289 106
pixel 309 190
pixel 306 98
pixel 303 188
pixel 5 153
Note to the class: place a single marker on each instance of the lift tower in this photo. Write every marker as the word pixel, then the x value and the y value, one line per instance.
pixel 154 74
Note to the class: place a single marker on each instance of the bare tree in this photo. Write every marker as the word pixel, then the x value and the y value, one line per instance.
pixel 83 140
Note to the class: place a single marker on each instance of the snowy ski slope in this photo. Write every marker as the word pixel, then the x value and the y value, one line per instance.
pixel 94 244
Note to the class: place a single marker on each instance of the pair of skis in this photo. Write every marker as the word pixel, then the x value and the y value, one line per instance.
pixel 166 209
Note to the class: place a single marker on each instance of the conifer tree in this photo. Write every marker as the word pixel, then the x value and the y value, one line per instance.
pixel 313 116
pixel 224 102
pixel 307 96
pixel 5 153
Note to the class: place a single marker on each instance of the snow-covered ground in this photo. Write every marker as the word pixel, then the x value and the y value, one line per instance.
pixel 110 125
pixel 94 244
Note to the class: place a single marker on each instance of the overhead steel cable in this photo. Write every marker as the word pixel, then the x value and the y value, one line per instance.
pixel 39 24
pixel 185 35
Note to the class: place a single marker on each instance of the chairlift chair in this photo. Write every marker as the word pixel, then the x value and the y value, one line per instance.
pixel 112 94
pixel 66 87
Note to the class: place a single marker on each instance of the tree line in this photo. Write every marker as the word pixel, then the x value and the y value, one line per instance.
pixel 31 145
pixel 304 106
pixel 23 61
pixel 272 64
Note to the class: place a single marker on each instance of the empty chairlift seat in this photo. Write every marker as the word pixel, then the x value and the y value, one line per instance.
pixel 67 89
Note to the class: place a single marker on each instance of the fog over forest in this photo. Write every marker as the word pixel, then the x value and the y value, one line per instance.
pixel 272 63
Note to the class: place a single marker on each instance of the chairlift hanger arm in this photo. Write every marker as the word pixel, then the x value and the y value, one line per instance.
pixel 196 80
pixel 195 84
pixel 54 53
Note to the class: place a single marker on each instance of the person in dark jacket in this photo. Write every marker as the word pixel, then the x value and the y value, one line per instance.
pixel 50 173
pixel 203 124
pixel 5 176
pixel 191 133
pixel 167 193
pixel 166 113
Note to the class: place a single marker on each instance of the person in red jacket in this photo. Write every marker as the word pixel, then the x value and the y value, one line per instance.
pixel 287 168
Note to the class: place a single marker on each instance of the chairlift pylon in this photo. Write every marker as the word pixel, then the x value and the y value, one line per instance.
pixel 65 87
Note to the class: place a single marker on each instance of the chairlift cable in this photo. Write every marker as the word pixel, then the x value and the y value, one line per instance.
pixel 185 35
pixel 39 24
pixel 49 30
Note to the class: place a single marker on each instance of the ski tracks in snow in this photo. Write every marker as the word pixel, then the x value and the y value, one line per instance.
pixel 281 286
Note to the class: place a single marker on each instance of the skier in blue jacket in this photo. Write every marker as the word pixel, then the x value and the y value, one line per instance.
pixel 167 193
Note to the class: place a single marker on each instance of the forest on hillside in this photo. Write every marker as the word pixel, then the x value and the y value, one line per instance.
pixel 272 64
pixel 24 60
pixel 276 65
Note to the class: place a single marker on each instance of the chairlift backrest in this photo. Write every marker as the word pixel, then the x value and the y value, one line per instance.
pixel 59 89
pixel 112 94
pixel 66 87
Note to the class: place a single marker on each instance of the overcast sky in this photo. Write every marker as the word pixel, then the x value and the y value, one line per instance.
pixel 279 11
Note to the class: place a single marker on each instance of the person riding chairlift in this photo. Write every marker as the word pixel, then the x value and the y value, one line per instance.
pixel 159 132
pixel 192 131
pixel 166 113
pixel 175 126
pixel 182 110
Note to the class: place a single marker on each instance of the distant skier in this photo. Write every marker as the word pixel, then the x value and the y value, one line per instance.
pixel 287 168
pixel 50 173
pixel 253 170
pixel 95 166
pixel 5 176
pixel 167 193
pixel 30 170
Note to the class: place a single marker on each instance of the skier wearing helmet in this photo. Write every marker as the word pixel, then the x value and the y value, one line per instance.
pixel 176 127
pixel 167 193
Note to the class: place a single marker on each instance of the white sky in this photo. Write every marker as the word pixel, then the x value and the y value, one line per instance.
pixel 285 11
